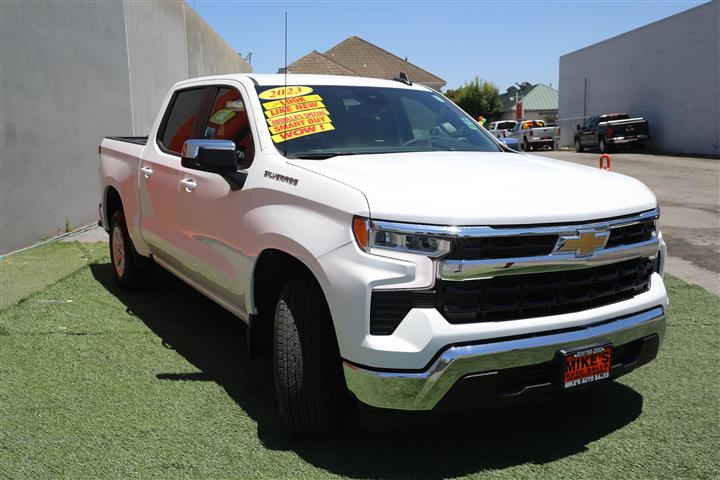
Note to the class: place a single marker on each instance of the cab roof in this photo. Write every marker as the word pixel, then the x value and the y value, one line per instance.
pixel 305 79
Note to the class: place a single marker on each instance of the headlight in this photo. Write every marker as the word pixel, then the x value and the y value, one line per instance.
pixel 398 237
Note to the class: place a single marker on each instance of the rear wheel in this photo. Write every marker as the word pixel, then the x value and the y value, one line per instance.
pixel 309 381
pixel 526 145
pixel 131 270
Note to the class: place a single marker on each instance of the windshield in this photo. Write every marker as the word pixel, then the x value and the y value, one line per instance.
pixel 324 121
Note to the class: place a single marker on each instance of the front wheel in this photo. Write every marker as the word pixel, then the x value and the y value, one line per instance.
pixel 309 382
pixel 578 147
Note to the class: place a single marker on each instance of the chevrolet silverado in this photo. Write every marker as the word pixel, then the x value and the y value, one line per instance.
pixel 387 250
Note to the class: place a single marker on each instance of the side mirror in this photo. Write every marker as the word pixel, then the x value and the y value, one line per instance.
pixel 214 156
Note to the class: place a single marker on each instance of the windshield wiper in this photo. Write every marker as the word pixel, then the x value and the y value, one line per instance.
pixel 319 155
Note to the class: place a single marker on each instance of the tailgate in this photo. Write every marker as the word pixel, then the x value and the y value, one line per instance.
pixel 545 133
pixel 629 128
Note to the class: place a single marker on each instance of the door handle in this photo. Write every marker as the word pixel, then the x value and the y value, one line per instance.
pixel 189 184
pixel 147 171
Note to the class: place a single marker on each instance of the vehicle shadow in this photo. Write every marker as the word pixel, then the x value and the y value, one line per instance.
pixel 212 340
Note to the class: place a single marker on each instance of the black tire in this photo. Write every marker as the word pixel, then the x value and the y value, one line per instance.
pixel 602 147
pixel 578 147
pixel 526 145
pixel 131 270
pixel 309 382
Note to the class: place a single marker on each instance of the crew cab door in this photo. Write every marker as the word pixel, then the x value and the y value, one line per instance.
pixel 159 176
pixel 588 137
pixel 211 210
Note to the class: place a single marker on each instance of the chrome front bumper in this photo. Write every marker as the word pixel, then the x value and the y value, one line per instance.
pixel 423 390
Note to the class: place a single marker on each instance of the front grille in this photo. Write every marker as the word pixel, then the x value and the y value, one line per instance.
pixel 481 248
pixel 515 297
pixel 635 233
pixel 540 294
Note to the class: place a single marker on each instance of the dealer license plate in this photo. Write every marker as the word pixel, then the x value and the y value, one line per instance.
pixel 585 364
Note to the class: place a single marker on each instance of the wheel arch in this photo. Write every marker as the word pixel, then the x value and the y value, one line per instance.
pixel 112 202
pixel 272 270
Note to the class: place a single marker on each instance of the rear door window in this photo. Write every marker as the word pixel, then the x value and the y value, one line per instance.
pixel 181 119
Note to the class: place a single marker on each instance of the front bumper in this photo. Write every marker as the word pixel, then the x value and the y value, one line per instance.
pixel 426 389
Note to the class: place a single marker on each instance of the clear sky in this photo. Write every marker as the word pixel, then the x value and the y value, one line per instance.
pixel 504 42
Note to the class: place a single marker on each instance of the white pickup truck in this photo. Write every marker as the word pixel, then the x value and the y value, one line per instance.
pixel 533 135
pixel 386 247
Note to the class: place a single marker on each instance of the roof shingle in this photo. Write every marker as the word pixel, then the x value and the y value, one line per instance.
pixel 355 56
pixel 317 63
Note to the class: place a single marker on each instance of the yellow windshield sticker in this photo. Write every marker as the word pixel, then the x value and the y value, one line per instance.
pixel 293 108
pixel 293 117
pixel 297 115
pixel 299 123
pixel 291 101
pixel 222 116
pixel 302 131
pixel 284 92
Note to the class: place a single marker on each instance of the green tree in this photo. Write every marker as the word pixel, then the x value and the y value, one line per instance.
pixel 477 98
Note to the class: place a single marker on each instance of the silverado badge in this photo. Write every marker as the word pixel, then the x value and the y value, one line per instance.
pixel 584 243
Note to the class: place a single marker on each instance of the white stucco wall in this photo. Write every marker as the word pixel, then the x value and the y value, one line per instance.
pixel 667 72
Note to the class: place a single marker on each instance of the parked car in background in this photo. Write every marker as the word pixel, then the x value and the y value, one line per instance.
pixel 605 131
pixel 403 262
pixel 511 143
pixel 533 135
pixel 500 128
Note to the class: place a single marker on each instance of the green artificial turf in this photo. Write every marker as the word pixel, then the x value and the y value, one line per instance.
pixel 24 273
pixel 99 383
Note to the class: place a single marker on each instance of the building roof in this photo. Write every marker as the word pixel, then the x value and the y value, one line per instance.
pixel 316 62
pixel 538 97
pixel 355 56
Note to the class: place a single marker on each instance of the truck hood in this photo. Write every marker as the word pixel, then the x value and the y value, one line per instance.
pixel 479 188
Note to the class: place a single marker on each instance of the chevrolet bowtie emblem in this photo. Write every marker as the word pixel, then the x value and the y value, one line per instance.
pixel 582 244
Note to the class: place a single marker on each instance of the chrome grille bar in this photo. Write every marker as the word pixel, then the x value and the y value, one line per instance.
pixel 459 270
pixel 511 231
pixel 478 269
